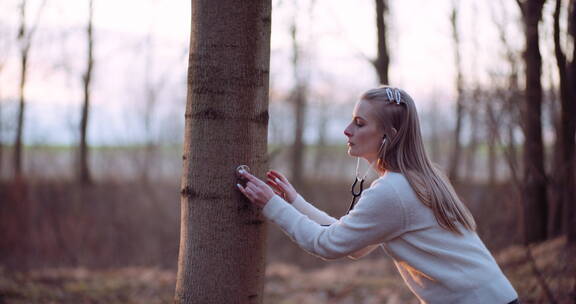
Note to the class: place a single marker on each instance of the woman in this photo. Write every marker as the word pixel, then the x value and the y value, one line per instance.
pixel 411 210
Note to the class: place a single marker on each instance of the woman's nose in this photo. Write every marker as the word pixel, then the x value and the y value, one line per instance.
pixel 347 132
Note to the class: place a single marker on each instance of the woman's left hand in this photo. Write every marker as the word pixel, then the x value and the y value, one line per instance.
pixel 257 191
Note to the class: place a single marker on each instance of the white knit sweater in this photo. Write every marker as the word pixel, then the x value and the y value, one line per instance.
pixel 438 266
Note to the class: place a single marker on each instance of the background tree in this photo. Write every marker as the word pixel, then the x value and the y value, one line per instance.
pixel 457 145
pixel 25 35
pixel 534 183
pixel 566 167
pixel 83 167
pixel 221 258
pixel 382 60
pixel 298 99
pixel 3 50
pixel 24 42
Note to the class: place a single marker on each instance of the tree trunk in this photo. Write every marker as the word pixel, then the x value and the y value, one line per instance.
pixel 322 126
pixel 383 60
pixel 1 135
pixel 472 148
pixel 299 101
pixel 555 181
pixel 568 127
pixel 150 100
pixel 24 41
pixel 222 236
pixel 534 190
pixel 83 167
pixel 1 125
pixel 492 135
pixel 457 145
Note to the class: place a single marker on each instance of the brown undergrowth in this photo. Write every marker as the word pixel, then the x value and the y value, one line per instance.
pixel 364 281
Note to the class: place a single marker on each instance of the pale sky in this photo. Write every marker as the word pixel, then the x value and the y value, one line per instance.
pixel 335 36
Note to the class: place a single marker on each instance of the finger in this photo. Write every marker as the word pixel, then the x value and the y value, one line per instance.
pixel 273 174
pixel 243 190
pixel 279 176
pixel 252 178
pixel 276 188
pixel 280 183
pixel 250 185
pixel 272 183
pixel 256 186
pixel 251 193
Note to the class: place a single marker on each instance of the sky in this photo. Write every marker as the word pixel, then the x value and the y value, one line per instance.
pixel 132 37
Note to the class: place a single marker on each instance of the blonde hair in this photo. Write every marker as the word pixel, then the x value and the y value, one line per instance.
pixel 404 152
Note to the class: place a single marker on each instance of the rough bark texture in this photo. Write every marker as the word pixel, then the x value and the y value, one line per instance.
pixel 222 240
pixel 83 168
pixel 534 190
pixel 383 60
pixel 457 145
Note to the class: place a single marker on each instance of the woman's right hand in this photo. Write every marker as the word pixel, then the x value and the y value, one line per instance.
pixel 281 186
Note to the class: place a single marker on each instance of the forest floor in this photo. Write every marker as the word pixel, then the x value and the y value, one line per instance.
pixel 544 274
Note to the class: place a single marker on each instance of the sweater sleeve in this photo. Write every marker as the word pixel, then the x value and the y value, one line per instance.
pixel 312 212
pixel 377 217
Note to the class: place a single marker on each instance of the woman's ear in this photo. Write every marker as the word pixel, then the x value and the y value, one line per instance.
pixel 389 133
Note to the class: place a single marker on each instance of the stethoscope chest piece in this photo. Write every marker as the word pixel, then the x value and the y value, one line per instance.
pixel 239 168
pixel 241 179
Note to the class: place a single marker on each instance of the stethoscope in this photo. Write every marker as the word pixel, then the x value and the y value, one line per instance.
pixel 357 193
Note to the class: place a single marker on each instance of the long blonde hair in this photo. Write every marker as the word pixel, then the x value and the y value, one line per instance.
pixel 404 152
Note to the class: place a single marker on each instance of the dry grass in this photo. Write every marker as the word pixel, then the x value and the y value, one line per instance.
pixel 366 281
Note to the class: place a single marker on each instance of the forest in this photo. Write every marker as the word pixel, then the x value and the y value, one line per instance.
pixel 122 125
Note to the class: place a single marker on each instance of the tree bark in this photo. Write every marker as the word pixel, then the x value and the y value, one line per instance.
pixel 222 236
pixel 84 175
pixel 535 188
pixel 383 59
pixel 457 144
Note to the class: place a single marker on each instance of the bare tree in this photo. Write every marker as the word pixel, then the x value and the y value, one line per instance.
pixel 322 120
pixel 3 50
pixel 382 60
pixel 152 89
pixel 222 238
pixel 474 113
pixel 25 34
pixel 84 175
pixel 24 41
pixel 564 172
pixel 457 144
pixel 298 100
pixel 534 183
pixel 510 96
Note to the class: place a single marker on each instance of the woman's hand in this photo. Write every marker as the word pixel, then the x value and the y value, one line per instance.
pixel 281 186
pixel 256 190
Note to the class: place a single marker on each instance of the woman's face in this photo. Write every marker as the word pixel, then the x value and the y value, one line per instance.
pixel 364 134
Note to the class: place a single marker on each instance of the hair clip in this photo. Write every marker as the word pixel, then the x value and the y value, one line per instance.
pixel 398 96
pixel 389 94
